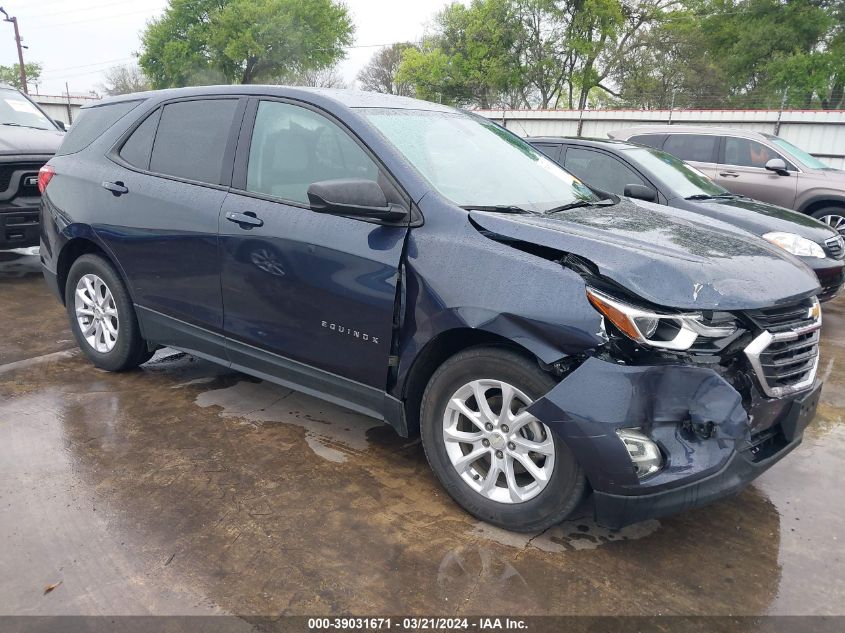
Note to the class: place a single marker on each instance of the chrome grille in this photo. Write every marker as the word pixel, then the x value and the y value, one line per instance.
pixel 835 246
pixel 785 356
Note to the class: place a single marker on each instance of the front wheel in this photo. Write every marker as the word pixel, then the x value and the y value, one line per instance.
pixel 495 459
pixel 102 317
pixel 834 217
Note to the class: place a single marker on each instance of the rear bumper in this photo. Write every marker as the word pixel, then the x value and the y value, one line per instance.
pixel 19 225
pixel 668 402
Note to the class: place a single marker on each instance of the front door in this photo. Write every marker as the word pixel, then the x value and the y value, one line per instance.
pixel 743 171
pixel 305 290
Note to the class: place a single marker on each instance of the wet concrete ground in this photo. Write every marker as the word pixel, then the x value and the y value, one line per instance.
pixel 182 488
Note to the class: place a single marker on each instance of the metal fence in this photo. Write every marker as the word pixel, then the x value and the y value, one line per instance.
pixel 822 133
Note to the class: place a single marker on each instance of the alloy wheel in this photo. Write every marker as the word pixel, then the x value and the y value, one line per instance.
pixel 96 313
pixel 500 450
pixel 836 222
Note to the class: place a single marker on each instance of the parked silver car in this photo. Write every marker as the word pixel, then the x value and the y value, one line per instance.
pixel 753 164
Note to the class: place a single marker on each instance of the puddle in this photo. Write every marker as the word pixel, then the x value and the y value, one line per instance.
pixel 260 403
pixel 579 534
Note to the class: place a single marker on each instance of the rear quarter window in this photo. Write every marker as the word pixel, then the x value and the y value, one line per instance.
pixel 649 140
pixel 92 122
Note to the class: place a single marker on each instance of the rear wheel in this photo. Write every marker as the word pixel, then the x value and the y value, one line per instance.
pixel 496 460
pixel 834 217
pixel 102 317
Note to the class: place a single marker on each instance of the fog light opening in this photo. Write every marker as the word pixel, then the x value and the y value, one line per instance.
pixel 645 454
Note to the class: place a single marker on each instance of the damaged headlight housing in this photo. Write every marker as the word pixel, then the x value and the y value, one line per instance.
pixel 795 244
pixel 645 455
pixel 675 332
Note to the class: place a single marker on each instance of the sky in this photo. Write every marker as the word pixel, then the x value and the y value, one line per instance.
pixel 76 40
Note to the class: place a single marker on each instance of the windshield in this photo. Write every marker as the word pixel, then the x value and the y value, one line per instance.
pixel 799 154
pixel 681 179
pixel 476 163
pixel 16 110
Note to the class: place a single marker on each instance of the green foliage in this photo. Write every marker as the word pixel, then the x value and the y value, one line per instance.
pixel 469 58
pixel 243 41
pixel 12 74
pixel 741 53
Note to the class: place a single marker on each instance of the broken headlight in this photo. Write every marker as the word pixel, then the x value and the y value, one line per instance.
pixel 668 331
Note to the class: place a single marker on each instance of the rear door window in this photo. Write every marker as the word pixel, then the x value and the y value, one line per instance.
pixel 699 148
pixel 191 139
pixel 91 123
pixel 600 170
pixel 293 147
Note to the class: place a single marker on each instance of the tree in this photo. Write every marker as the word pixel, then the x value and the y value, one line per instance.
pixel 469 58
pixel 243 41
pixel 121 80
pixel 321 78
pixel 380 74
pixel 12 74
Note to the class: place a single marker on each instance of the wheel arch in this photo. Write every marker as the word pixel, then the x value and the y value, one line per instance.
pixel 819 202
pixel 73 250
pixel 435 352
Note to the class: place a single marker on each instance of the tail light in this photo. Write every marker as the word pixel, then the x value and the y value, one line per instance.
pixel 45 175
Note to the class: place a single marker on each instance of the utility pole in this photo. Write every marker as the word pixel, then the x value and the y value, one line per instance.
pixel 20 46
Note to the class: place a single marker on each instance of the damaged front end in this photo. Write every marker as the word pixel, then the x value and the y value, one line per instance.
pixel 677 409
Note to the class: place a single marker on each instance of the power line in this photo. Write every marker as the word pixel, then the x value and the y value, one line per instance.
pixel 110 61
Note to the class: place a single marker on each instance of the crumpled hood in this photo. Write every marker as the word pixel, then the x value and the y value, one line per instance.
pixel 25 140
pixel 667 259
pixel 760 217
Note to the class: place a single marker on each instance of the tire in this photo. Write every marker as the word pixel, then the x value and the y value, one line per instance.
pixel 537 504
pixel 834 217
pixel 115 344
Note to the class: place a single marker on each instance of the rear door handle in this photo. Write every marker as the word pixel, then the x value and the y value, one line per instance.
pixel 732 174
pixel 117 188
pixel 244 220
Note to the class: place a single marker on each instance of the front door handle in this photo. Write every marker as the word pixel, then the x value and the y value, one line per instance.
pixel 117 188
pixel 244 220
pixel 731 174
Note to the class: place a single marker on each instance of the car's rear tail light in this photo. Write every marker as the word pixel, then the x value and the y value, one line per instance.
pixel 45 175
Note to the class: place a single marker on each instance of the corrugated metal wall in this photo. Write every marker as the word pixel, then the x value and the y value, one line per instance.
pixel 818 132
pixel 60 108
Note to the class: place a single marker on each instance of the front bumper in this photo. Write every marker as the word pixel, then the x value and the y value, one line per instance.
pixel 830 273
pixel 19 225
pixel 712 447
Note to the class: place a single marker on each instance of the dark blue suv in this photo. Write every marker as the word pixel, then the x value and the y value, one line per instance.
pixel 426 267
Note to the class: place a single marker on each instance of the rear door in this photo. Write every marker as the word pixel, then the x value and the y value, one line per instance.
pixel 699 150
pixel 165 196
pixel 304 291
pixel 743 170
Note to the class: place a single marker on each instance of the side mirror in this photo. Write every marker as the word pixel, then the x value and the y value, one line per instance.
pixel 640 192
pixel 355 198
pixel 778 166
pixel 60 124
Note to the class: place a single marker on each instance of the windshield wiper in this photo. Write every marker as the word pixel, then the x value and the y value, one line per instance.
pixel 496 208
pixel 706 196
pixel 33 127
pixel 604 202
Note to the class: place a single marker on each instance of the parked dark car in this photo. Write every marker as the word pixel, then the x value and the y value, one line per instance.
pixel 763 166
pixel 652 175
pixel 28 138
pixel 427 267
